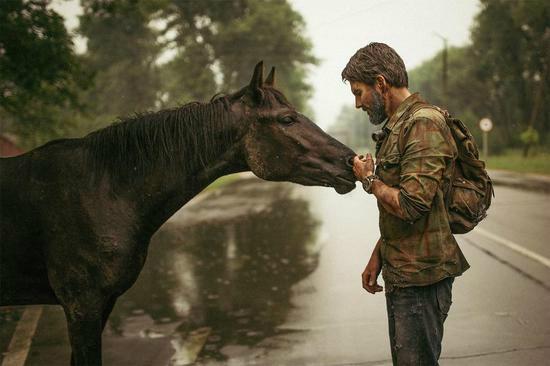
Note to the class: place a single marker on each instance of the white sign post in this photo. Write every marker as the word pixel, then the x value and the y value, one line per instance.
pixel 486 125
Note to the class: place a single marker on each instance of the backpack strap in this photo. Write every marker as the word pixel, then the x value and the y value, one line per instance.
pixel 412 110
pixel 400 144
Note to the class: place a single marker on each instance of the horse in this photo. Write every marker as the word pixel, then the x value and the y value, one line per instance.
pixel 77 214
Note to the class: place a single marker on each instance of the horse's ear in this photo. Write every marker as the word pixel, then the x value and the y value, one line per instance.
pixel 257 81
pixel 270 79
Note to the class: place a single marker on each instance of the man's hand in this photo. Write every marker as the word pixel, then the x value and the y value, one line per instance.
pixel 363 166
pixel 371 272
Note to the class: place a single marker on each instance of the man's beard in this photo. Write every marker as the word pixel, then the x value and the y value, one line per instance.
pixel 377 113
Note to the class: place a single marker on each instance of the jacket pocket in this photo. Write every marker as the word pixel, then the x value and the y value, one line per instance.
pixel 389 170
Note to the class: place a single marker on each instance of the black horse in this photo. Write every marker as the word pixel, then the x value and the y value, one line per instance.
pixel 77 214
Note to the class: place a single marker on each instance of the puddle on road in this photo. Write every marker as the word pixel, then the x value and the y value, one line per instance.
pixel 223 267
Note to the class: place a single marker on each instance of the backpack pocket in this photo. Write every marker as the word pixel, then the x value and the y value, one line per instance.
pixel 466 207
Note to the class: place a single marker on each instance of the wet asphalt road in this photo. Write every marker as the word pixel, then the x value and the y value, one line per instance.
pixel 269 274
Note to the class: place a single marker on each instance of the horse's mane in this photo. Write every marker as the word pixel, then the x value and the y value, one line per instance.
pixel 185 138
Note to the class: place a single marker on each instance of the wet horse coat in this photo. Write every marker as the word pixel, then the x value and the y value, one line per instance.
pixel 77 214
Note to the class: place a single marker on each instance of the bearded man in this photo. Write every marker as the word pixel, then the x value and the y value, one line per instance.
pixel 416 252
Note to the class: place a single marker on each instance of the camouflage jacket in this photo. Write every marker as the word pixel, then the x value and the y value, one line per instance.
pixel 420 249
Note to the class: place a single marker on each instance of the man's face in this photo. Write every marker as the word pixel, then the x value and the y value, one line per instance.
pixel 370 100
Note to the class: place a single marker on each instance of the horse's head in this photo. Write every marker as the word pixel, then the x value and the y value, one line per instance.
pixel 281 144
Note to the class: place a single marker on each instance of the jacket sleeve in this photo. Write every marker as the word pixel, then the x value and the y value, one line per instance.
pixel 423 161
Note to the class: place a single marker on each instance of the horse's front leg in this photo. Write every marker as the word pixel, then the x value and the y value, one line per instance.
pixel 85 337
pixel 87 287
pixel 82 330
pixel 83 298
pixel 85 324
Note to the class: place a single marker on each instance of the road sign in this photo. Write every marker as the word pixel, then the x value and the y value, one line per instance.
pixel 486 124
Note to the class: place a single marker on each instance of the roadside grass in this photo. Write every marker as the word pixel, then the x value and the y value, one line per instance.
pixel 222 181
pixel 512 159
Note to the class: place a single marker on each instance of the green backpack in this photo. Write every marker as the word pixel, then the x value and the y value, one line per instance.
pixel 469 196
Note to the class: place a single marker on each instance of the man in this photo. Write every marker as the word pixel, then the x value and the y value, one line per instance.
pixel 416 252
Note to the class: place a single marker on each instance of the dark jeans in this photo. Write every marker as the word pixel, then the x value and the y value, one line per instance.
pixel 415 317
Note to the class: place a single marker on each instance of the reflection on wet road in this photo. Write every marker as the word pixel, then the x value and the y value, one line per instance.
pixel 221 271
pixel 262 273
pixel 217 279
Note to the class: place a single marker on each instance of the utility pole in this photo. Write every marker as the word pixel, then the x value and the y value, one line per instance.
pixel 444 68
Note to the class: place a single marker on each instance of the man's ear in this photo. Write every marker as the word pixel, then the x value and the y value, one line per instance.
pixel 381 84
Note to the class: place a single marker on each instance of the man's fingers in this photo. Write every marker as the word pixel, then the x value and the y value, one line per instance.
pixel 365 278
pixel 369 282
pixel 372 278
pixel 373 284
pixel 375 288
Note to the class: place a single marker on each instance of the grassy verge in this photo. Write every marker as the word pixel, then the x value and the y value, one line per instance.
pixel 220 182
pixel 513 160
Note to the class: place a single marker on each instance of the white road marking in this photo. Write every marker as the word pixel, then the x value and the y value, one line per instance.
pixel 20 343
pixel 189 348
pixel 515 247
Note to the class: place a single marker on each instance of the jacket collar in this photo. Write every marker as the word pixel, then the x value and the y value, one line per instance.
pixel 403 107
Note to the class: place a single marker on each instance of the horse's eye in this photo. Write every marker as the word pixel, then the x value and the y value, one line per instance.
pixel 286 119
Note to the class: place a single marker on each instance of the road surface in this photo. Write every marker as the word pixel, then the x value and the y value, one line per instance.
pixel 269 274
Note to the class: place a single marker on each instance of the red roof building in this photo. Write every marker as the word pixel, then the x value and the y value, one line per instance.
pixel 8 146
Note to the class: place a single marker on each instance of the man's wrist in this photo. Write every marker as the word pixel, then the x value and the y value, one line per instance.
pixel 368 182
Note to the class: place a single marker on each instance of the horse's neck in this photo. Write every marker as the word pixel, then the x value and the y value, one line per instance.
pixel 166 189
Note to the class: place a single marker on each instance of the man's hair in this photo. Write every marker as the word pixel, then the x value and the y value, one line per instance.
pixel 376 59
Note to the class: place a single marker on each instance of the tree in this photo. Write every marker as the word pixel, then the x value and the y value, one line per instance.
pixel 216 44
pixel 189 29
pixel 503 74
pixel 229 38
pixel 39 72
pixel 511 40
pixel 467 97
pixel 270 30
pixel 121 53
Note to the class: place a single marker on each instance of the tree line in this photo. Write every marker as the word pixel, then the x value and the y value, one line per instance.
pixel 502 74
pixel 141 55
